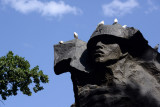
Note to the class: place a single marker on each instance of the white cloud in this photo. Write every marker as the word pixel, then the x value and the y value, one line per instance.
pixel 51 8
pixel 119 8
pixel 152 7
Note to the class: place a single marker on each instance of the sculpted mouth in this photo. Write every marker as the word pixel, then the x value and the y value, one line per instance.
pixel 98 53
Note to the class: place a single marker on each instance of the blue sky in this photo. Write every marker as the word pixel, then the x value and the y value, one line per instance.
pixel 30 28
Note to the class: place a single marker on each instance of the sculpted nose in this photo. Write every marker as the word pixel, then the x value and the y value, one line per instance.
pixel 100 45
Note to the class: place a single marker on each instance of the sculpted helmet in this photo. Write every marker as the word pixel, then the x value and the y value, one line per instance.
pixel 128 37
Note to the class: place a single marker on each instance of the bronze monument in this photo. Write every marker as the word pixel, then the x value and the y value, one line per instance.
pixel 116 68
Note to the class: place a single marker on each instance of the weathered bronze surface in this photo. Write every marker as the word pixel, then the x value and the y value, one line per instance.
pixel 116 68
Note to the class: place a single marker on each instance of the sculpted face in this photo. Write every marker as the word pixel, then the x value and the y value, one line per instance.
pixel 104 51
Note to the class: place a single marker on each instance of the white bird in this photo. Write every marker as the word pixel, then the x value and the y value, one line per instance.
pixel 124 26
pixel 75 35
pixel 156 47
pixel 115 20
pixel 61 42
pixel 101 23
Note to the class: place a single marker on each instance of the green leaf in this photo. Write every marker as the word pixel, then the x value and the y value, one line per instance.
pixel 16 75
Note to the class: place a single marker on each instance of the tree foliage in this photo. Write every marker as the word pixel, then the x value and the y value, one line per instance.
pixel 15 75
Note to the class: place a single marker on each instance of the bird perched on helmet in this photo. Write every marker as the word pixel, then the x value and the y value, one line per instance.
pixel 115 21
pixel 75 35
pixel 124 26
pixel 156 47
pixel 99 24
pixel 61 42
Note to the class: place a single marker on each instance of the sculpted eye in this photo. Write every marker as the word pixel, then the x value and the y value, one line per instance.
pixel 110 40
pixel 107 41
